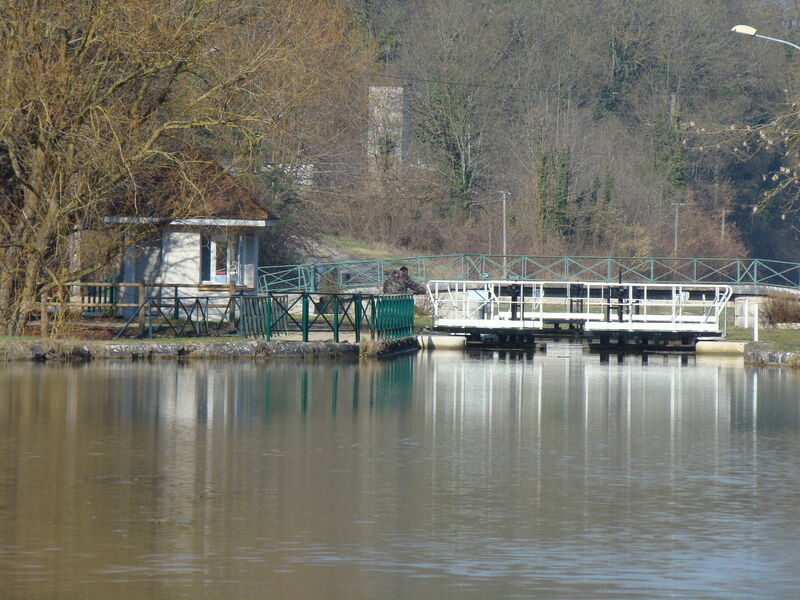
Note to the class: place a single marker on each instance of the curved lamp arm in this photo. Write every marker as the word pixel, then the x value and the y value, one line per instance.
pixel 751 31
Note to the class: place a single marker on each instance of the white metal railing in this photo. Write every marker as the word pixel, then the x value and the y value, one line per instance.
pixel 597 306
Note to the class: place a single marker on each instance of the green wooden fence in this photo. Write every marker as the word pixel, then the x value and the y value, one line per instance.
pixel 272 316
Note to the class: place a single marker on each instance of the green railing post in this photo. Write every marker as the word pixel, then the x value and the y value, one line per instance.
pixel 755 271
pixel 336 318
pixel 357 323
pixel 410 318
pixel 377 316
pixel 371 309
pixel 269 318
pixel 304 322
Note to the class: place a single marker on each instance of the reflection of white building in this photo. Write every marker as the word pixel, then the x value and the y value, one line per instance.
pixel 580 396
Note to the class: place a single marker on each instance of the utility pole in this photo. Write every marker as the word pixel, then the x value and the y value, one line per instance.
pixel 717 203
pixel 677 225
pixel 723 223
pixel 505 247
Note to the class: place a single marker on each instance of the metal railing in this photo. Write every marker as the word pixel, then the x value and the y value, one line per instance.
pixel 269 316
pixel 591 306
pixel 371 273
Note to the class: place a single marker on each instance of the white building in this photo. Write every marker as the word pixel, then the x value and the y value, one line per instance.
pixel 389 127
pixel 209 255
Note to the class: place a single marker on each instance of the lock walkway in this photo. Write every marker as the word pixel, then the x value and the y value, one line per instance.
pixel 624 312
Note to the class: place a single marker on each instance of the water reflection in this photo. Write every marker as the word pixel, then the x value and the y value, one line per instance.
pixel 440 475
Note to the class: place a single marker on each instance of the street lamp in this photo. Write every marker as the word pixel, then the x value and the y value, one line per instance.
pixel 751 31
pixel 505 248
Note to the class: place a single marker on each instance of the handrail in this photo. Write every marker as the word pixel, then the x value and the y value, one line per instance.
pixel 267 316
pixel 591 305
pixel 354 274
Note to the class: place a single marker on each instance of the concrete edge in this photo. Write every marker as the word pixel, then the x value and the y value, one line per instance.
pixel 762 353
pixel 382 348
pixel 79 351
pixel 442 342
pixel 726 347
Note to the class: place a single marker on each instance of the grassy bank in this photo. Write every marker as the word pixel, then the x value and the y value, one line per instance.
pixel 361 250
pixel 783 340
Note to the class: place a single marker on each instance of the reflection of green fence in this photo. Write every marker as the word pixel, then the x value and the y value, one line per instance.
pixel 372 273
pixel 269 316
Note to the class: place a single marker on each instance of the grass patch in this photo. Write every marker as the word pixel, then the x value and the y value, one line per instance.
pixel 359 249
pixel 421 321
pixel 785 340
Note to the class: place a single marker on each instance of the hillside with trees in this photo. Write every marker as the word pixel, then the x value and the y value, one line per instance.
pixel 596 117
pixel 599 120
pixel 111 107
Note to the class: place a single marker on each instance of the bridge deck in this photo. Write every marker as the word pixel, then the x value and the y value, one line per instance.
pixel 589 307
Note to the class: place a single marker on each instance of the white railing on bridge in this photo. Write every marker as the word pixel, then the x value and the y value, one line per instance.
pixel 599 307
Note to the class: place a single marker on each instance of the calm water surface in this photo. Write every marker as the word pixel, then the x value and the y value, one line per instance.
pixel 493 475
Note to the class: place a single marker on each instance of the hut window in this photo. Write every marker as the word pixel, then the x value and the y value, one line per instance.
pixel 220 259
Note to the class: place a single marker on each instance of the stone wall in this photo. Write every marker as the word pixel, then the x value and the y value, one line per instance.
pixel 65 350
pixel 761 353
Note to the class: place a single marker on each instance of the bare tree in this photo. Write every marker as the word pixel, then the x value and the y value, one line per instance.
pixel 99 99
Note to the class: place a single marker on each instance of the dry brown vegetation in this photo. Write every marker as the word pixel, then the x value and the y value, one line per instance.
pixel 100 98
pixel 596 116
pixel 782 308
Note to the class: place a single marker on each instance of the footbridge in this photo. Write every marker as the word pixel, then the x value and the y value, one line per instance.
pixel 744 276
pixel 619 313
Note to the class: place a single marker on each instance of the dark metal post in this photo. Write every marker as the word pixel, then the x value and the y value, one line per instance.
pixel 141 292
pixel 269 317
pixel 305 316
pixel 357 325
pixel 336 318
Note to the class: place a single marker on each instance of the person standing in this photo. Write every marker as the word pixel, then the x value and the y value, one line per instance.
pixel 399 282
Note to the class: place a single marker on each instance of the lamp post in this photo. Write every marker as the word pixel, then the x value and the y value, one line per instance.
pixel 505 249
pixel 751 31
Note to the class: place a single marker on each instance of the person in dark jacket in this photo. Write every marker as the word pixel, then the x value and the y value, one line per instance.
pixel 399 282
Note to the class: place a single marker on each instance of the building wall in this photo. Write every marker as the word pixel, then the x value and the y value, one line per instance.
pixel 180 261
pixel 389 127
pixel 141 263
pixel 175 259
pixel 250 259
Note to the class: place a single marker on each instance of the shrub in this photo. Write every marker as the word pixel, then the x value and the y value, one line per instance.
pixel 782 308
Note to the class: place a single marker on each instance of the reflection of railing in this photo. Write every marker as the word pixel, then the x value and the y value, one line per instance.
pixel 272 315
pixel 591 306
pixel 372 273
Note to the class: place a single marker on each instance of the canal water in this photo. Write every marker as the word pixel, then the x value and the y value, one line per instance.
pixel 487 475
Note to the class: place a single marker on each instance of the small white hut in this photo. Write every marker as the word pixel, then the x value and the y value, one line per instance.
pixel 211 254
